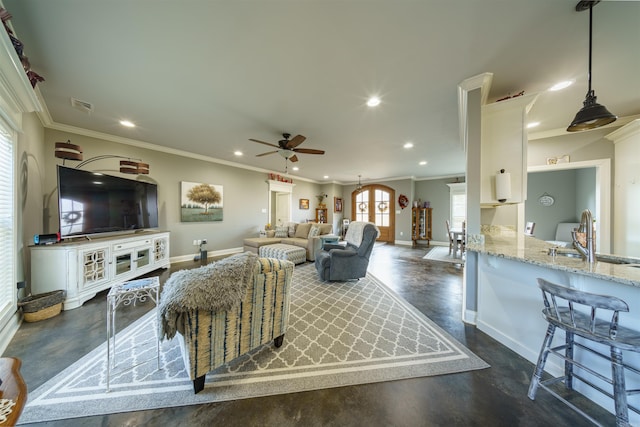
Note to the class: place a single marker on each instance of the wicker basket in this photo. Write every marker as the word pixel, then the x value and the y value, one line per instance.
pixel 42 306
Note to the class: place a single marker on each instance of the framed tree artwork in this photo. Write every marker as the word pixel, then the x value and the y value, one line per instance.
pixel 337 204
pixel 200 202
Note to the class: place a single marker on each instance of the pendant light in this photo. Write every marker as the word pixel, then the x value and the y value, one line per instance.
pixel 592 115
pixel 359 186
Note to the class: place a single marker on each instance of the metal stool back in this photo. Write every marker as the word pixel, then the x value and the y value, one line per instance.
pixel 580 313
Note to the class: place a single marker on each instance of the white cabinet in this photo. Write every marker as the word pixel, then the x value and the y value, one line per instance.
pixel 86 267
pixel 626 220
pixel 504 146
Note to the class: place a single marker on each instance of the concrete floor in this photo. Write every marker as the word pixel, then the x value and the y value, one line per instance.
pixel 490 397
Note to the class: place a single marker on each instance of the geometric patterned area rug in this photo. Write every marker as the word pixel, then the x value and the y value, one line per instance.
pixel 441 253
pixel 340 333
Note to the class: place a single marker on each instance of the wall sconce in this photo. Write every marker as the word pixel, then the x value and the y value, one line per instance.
pixel 69 151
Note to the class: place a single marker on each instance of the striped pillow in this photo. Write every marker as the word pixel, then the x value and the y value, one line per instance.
pixel 282 231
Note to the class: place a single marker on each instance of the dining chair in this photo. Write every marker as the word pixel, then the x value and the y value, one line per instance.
pixel 454 242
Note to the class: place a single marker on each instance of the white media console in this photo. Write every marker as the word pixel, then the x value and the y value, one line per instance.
pixel 85 267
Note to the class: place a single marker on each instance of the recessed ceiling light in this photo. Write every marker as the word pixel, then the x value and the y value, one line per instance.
pixel 532 124
pixel 422 163
pixel 408 145
pixel 561 85
pixel 238 153
pixel 127 123
pixel 374 101
pixel 326 177
pixel 295 168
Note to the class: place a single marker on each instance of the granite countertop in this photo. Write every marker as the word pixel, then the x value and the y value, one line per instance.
pixel 505 243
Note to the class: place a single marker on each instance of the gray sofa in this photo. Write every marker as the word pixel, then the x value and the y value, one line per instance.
pixel 297 234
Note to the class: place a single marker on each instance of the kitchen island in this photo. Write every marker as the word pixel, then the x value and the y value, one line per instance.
pixel 509 301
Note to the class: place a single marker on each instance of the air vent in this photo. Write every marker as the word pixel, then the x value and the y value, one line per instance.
pixel 83 106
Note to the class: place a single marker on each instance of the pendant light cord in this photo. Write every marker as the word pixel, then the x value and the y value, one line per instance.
pixel 590 44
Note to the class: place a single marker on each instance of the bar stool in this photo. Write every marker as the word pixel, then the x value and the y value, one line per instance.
pixel 575 312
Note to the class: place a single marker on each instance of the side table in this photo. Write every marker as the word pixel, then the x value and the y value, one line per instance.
pixel 329 238
pixel 125 294
pixel 13 391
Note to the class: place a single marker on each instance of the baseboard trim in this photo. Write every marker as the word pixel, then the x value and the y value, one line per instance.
pixel 470 317
pixel 403 242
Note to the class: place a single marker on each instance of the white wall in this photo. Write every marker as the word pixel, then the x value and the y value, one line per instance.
pixel 30 187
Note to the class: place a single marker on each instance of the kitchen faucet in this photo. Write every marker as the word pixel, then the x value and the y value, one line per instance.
pixel 588 250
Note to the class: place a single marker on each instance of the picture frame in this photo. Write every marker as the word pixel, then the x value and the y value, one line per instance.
pixel 201 202
pixel 337 204
pixel 304 204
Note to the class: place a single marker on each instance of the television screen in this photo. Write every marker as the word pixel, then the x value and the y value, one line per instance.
pixel 90 203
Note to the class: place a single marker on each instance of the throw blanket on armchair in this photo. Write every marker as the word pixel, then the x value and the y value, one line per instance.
pixel 355 230
pixel 217 286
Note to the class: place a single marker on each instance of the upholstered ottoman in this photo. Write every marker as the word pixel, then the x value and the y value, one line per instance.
pixel 253 244
pixel 295 254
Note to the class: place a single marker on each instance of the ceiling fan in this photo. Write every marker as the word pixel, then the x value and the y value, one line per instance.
pixel 287 147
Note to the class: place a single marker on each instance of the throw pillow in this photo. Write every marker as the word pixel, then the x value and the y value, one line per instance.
pixel 292 229
pixel 282 231
pixel 302 230
pixel 314 231
pixel 326 229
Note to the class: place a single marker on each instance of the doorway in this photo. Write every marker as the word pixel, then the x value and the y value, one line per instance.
pixel 602 195
pixel 283 208
pixel 375 203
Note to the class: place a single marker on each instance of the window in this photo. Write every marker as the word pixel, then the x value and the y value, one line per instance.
pixel 458 204
pixel 8 295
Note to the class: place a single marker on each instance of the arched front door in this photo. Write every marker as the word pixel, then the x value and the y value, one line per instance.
pixel 375 203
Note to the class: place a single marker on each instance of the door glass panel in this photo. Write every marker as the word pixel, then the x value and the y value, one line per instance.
pixel 362 206
pixel 382 204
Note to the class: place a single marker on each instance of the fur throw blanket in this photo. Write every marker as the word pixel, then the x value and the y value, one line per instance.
pixel 217 286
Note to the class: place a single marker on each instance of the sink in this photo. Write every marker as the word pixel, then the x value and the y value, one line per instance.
pixel 567 254
pixel 606 258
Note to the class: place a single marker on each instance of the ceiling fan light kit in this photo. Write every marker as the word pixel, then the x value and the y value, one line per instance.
pixel 592 115
pixel 287 147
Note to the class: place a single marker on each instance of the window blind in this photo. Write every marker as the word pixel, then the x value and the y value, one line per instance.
pixel 8 296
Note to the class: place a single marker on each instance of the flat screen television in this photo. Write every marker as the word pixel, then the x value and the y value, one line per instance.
pixel 92 203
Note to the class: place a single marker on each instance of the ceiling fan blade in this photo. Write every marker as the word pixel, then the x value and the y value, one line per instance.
pixel 264 154
pixel 265 143
pixel 308 151
pixel 293 159
pixel 295 141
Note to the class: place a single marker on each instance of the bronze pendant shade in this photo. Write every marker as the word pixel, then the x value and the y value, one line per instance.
pixel 69 151
pixel 592 115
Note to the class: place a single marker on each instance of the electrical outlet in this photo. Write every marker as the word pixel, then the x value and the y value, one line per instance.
pixel 195 242
pixel 204 241
pixel 401 233
pixel 199 242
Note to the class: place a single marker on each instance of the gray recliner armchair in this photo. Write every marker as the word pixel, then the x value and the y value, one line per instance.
pixel 338 262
